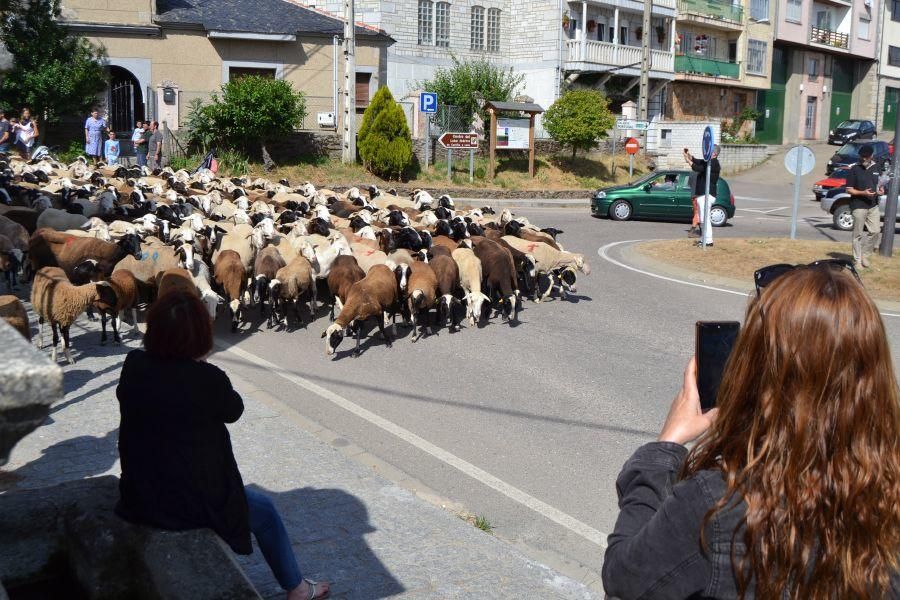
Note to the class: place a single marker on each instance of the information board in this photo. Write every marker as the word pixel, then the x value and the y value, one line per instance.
pixel 512 134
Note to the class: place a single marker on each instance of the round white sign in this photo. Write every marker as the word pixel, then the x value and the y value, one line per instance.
pixel 799 159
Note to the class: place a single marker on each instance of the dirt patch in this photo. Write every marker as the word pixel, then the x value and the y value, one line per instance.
pixel 738 258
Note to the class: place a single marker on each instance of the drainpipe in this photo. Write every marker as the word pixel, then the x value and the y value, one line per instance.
pixel 334 79
pixel 878 34
pixel 559 49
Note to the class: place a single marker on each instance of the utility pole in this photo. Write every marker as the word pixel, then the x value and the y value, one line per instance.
pixel 644 87
pixel 349 120
pixel 890 208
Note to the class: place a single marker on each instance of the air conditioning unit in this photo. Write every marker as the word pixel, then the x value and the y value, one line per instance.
pixel 325 119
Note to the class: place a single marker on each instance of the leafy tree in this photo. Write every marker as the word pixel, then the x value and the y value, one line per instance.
pixel 55 73
pixel 579 118
pixel 251 111
pixel 382 99
pixel 463 83
pixel 386 148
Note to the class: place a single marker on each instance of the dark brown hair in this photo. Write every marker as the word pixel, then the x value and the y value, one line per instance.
pixel 178 326
pixel 808 435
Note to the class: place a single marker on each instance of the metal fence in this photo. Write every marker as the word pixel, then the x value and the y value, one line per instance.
pixel 449 118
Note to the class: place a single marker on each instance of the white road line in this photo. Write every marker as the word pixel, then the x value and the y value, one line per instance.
pixel 603 253
pixel 467 468
pixel 764 211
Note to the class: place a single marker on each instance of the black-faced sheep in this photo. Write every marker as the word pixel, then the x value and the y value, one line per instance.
pixel 447 273
pixel 265 269
pixel 13 312
pixel 56 300
pixel 422 291
pixel 376 296
pixel 48 248
pixel 499 276
pixel 126 288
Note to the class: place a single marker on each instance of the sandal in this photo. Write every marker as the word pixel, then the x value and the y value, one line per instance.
pixel 313 589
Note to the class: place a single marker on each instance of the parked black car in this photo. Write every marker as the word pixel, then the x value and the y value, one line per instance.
pixel 849 154
pixel 852 129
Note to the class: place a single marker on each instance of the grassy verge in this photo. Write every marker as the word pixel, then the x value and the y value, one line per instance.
pixel 551 173
pixel 739 258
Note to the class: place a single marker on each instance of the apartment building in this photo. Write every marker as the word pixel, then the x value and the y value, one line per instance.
pixel 722 58
pixel 889 67
pixel 823 68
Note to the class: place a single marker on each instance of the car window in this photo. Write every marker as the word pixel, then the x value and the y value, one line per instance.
pixel 849 151
pixel 664 182
pixel 849 125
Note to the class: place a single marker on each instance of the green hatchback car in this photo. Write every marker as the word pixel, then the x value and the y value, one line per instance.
pixel 664 194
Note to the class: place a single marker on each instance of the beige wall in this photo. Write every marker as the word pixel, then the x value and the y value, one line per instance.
pixel 131 12
pixel 195 63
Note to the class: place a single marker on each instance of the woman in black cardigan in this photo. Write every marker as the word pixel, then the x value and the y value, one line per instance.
pixel 178 469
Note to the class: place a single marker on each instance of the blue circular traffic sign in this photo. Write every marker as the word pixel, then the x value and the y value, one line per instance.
pixel 708 143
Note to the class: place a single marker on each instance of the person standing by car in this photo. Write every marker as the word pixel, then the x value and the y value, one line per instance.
pixel 698 166
pixel 864 189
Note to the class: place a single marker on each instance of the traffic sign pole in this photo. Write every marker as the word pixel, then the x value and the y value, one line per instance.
pixel 798 173
pixel 630 166
pixel 613 169
pixel 471 166
pixel 427 138
pixel 890 206
pixel 707 227
pixel 449 162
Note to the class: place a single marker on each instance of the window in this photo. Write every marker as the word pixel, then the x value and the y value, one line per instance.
pixel 477 35
pixel 665 138
pixel 442 25
pixel 759 10
pixel 600 29
pixel 756 57
pixel 238 72
pixel 493 30
pixel 612 33
pixel 864 28
pixel 362 89
pixel 895 10
pixel 425 22
pixel 623 36
pixel 794 10
pixel 894 56
pixel 812 68
pixel 823 19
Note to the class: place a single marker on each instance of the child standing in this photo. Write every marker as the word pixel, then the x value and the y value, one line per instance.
pixel 111 149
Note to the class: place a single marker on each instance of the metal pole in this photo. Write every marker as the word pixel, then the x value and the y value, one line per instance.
pixel 798 169
pixel 630 166
pixel 427 138
pixel 644 86
pixel 449 162
pixel 471 166
pixel 615 135
pixel 890 208
pixel 349 150
pixel 706 225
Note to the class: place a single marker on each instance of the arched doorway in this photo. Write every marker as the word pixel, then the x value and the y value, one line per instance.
pixel 126 100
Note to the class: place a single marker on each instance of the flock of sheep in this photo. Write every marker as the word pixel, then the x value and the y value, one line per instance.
pixel 111 240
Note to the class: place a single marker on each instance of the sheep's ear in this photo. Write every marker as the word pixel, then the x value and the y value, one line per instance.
pixel 323 334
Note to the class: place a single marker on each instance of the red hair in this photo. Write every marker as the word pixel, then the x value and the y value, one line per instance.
pixel 178 326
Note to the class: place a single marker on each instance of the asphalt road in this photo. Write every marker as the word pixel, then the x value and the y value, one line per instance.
pixel 526 425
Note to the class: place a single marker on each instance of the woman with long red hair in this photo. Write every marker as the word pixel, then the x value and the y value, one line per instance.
pixel 792 489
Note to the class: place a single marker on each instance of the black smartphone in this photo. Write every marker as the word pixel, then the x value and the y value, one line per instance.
pixel 715 340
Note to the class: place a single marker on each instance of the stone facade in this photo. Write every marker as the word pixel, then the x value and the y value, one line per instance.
pixel 701 102
pixel 888 75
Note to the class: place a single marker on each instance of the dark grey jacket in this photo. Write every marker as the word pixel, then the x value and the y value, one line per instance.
pixel 655 551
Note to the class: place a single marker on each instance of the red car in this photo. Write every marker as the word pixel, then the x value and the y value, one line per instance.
pixel 837 179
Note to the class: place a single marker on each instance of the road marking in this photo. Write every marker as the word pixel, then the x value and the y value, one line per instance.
pixel 467 468
pixel 752 199
pixel 602 252
pixel 764 211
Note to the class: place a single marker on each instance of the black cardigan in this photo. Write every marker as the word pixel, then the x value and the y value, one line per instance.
pixel 178 469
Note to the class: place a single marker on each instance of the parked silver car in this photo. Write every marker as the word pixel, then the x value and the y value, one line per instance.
pixel 837 203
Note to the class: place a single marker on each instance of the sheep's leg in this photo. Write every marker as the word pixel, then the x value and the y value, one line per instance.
pixel 381 322
pixel 356 352
pixel 414 317
pixel 103 327
pixel 549 288
pixel 65 334
pixel 90 314
pixel 115 327
pixel 514 301
pixel 134 322
pixel 41 333
pixel 313 301
pixel 55 341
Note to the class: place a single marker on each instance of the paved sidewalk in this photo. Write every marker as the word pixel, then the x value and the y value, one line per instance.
pixel 370 537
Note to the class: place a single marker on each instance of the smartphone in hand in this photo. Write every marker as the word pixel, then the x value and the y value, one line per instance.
pixel 714 342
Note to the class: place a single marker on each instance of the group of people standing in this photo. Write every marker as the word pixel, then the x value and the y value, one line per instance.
pixel 146 139
pixel 19 133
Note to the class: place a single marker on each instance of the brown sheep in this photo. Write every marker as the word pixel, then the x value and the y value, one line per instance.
pixel 447 273
pixel 265 269
pixel 26 217
pixel 231 277
pixel 127 290
pixel 344 273
pixel 291 282
pixel 175 280
pixel 422 291
pixel 13 312
pixel 56 300
pixel 48 248
pixel 499 273
pixel 376 296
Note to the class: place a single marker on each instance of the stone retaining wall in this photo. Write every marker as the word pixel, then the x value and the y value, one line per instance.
pixel 735 158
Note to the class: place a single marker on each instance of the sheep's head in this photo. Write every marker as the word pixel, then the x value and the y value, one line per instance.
pixel 131 245
pixel 401 272
pixel 333 337
pixel 475 306
pixel 530 266
pixel 308 252
pixel 582 265
pixel 186 252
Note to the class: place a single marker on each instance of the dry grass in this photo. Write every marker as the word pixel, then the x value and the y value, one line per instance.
pixel 739 258
pixel 551 173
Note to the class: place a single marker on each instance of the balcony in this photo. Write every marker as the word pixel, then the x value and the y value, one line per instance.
pixel 827 37
pixel 715 14
pixel 707 67
pixel 599 57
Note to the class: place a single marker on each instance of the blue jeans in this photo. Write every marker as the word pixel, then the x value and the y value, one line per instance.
pixel 266 525
pixel 140 155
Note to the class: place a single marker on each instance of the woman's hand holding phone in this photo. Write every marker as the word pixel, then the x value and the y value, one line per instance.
pixel 686 421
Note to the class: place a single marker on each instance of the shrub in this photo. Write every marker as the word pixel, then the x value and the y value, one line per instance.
pixel 579 119
pixel 386 149
pixel 73 151
pixel 251 111
pixel 461 84
pixel 382 99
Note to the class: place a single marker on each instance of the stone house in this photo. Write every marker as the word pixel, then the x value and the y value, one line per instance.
pixel 889 67
pixel 164 53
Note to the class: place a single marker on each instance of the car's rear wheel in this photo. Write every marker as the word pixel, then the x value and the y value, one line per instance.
pixel 843 218
pixel 717 216
pixel 620 210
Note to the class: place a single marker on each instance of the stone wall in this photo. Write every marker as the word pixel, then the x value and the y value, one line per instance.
pixel 702 101
pixel 667 139
pixel 735 158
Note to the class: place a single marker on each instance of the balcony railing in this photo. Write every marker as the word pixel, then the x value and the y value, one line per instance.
pixel 712 9
pixel 616 55
pixel 829 38
pixel 707 66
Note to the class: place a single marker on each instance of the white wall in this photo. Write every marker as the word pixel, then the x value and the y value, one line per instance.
pixel 667 152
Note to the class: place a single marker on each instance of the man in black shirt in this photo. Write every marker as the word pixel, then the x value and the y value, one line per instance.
pixel 863 187
pixel 698 166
